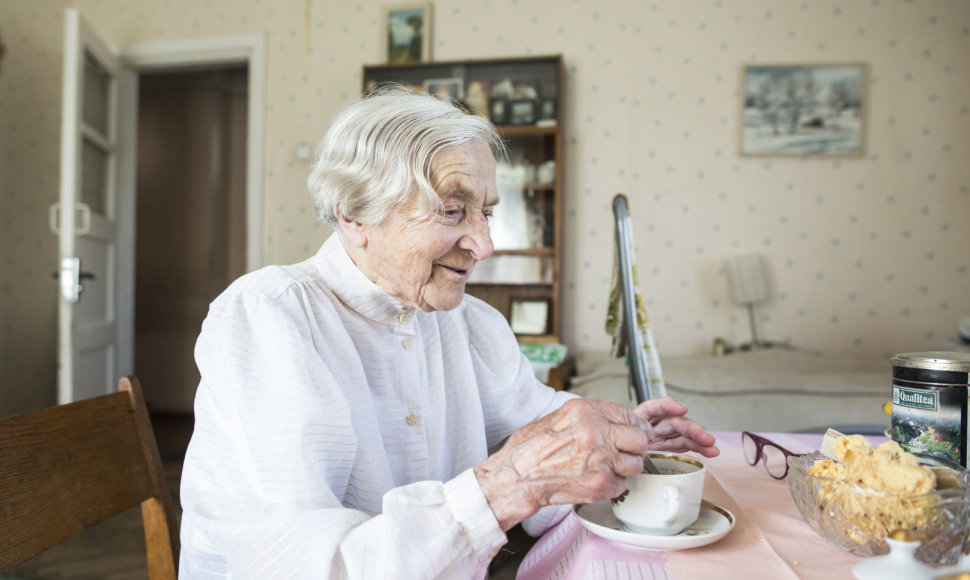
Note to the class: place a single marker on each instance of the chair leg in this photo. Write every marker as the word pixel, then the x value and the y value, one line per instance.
pixel 158 541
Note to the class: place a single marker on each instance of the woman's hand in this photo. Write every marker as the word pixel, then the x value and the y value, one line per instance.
pixel 581 453
pixel 670 430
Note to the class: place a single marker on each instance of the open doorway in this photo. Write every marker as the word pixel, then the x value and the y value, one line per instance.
pixel 190 233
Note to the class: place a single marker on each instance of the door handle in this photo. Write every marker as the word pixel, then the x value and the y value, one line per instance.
pixel 82 275
pixel 70 276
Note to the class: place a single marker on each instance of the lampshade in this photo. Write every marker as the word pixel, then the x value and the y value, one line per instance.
pixel 747 275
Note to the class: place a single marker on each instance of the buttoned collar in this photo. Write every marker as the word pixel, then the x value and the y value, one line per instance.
pixel 354 289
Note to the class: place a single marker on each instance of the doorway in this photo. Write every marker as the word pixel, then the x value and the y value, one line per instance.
pixel 190 234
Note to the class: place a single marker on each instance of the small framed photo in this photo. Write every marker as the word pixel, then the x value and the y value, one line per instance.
pixel 476 97
pixel 804 110
pixel 451 90
pixel 529 316
pixel 498 111
pixel 547 109
pixel 522 112
pixel 407 33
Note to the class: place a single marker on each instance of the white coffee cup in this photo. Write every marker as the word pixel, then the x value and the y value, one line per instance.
pixel 663 504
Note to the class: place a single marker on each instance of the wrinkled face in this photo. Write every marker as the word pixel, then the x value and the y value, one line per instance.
pixel 425 264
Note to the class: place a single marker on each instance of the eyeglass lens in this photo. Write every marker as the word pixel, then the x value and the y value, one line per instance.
pixel 775 461
pixel 750 448
pixel 773 458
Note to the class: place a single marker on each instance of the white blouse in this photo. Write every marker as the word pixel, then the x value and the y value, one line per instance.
pixel 336 430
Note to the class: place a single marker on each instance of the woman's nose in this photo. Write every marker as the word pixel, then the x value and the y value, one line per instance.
pixel 477 238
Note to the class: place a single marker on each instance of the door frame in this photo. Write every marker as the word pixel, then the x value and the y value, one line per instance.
pixel 174 55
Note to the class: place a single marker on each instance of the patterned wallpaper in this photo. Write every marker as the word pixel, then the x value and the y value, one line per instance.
pixel 867 256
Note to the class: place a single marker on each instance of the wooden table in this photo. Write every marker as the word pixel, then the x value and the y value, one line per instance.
pixel 769 539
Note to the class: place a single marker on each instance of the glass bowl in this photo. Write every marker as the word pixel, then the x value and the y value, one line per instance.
pixel 858 519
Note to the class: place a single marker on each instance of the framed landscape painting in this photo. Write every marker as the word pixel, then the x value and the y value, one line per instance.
pixel 407 33
pixel 803 110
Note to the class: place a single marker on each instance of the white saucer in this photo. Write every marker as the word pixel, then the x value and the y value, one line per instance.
pixel 713 524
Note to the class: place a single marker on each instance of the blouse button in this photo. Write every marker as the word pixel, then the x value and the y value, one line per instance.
pixel 406 343
pixel 403 318
pixel 411 420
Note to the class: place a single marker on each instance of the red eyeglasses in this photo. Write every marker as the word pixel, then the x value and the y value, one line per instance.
pixel 773 456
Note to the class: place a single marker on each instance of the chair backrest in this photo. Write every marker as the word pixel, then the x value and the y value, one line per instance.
pixel 67 468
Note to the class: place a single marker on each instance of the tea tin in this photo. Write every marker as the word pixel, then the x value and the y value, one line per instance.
pixel 930 399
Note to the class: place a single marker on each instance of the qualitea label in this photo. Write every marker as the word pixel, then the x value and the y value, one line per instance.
pixel 916 398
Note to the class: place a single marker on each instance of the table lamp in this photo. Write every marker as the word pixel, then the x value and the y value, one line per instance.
pixel 748 288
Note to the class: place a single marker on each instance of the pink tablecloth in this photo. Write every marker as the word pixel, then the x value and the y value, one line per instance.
pixel 769 540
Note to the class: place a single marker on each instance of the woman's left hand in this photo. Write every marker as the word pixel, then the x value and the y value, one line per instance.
pixel 670 430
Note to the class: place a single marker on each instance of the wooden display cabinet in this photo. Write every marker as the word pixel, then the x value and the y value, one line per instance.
pixel 523 97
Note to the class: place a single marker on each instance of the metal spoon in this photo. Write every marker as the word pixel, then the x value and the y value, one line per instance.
pixel 648 465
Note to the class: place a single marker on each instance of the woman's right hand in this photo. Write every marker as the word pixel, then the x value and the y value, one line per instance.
pixel 580 453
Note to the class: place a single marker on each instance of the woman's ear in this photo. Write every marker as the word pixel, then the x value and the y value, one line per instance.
pixel 354 232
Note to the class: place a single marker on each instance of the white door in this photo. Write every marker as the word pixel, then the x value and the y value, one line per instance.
pixel 86 217
pixel 98 173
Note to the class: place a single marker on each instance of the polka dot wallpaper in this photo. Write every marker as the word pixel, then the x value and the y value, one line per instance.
pixel 867 256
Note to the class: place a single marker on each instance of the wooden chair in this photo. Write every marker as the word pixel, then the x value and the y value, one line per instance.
pixel 67 468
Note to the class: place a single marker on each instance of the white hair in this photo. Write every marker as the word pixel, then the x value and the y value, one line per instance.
pixel 382 148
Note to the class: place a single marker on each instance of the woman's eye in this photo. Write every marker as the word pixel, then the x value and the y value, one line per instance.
pixel 453 215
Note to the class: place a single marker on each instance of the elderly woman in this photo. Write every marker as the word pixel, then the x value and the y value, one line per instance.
pixel 348 403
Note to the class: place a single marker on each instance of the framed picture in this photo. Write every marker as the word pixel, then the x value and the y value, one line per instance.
pixel 446 89
pixel 407 33
pixel 522 112
pixel 547 109
pixel 498 111
pixel 529 316
pixel 476 97
pixel 802 110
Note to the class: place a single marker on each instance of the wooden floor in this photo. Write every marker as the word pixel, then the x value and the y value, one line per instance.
pixel 115 549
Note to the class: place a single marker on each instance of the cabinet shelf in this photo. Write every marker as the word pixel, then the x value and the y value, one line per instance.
pixel 539 186
pixel 526 130
pixel 543 251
